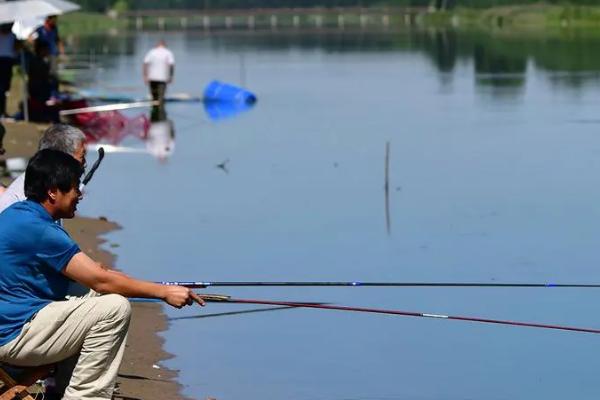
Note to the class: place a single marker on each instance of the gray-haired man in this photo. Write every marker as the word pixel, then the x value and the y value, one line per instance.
pixel 62 137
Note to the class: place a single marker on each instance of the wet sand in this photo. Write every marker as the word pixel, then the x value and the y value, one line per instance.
pixel 141 376
pixel 138 377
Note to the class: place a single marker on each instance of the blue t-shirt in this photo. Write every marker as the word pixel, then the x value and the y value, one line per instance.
pixel 33 252
pixel 50 37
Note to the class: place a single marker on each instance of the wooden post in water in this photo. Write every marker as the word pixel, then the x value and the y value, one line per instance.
pixel 206 22
pixel 139 23
pixel 242 70
pixel 363 20
pixel 228 22
pixel 273 22
pixel 92 60
pixel 388 223
pixel 161 23
pixel 296 21
pixel 183 22
pixel 340 21
pixel 251 22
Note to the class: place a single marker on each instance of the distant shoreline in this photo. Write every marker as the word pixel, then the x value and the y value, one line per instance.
pixel 537 17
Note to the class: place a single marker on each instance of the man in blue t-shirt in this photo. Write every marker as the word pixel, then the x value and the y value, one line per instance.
pixel 38 259
pixel 48 35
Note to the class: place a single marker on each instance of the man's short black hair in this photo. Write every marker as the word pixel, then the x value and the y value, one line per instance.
pixel 51 169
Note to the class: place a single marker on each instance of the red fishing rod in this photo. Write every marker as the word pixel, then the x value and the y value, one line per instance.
pixel 228 299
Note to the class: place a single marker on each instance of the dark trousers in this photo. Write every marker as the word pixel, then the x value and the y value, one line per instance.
pixel 6 65
pixel 157 90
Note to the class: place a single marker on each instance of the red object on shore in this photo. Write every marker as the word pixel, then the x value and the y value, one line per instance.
pixel 108 126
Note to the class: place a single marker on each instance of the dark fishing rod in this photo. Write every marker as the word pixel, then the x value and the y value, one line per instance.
pixel 227 299
pixel 90 174
pixel 202 285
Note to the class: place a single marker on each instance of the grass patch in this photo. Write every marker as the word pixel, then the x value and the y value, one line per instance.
pixel 88 23
pixel 523 17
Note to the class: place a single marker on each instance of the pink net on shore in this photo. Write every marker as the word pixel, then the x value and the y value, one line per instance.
pixel 109 126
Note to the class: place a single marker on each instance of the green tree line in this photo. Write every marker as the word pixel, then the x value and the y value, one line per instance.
pixel 104 5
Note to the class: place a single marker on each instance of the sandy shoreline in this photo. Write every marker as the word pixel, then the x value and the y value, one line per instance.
pixel 139 379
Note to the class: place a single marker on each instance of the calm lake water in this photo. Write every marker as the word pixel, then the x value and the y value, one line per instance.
pixel 494 176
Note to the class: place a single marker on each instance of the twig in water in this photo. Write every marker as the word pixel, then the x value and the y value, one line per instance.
pixel 223 166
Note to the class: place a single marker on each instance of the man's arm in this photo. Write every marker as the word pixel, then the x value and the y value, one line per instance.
pixel 34 35
pixel 171 72
pixel 89 273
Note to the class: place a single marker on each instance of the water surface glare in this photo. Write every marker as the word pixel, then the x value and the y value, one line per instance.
pixel 495 152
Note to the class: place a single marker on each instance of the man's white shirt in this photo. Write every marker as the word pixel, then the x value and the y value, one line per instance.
pixel 159 61
pixel 14 193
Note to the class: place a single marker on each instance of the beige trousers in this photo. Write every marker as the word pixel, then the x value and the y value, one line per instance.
pixel 90 330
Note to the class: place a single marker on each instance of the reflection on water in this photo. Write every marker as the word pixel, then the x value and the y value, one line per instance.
pixel 218 110
pixel 499 60
pixel 111 129
pixel 386 186
pixel 231 313
pixel 492 177
pixel 161 134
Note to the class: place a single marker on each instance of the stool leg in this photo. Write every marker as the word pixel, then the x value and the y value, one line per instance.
pixel 19 390
pixel 16 392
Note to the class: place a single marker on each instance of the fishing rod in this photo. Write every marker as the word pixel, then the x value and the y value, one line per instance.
pixel 219 298
pixel 90 174
pixel 109 107
pixel 203 285
pixel 228 299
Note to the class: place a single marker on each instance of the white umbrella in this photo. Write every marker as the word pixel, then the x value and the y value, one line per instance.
pixel 28 10
pixel 23 28
pixel 11 11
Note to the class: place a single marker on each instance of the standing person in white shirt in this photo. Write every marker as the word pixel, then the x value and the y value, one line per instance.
pixel 159 68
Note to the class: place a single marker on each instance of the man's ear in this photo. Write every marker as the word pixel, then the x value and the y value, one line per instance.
pixel 52 194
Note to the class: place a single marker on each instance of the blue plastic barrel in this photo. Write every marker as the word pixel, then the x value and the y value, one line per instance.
pixel 224 92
